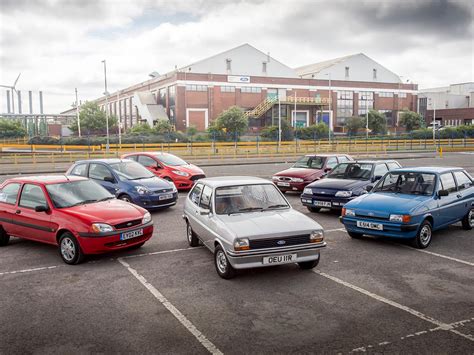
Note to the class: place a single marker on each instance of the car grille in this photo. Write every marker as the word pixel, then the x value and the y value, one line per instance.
pixel 278 242
pixel 161 191
pixel 128 224
pixel 197 177
pixel 325 192
pixel 372 217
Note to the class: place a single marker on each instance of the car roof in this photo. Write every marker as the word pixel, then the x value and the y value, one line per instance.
pixel 431 169
pixel 47 179
pixel 106 161
pixel 223 181
pixel 326 155
pixel 371 161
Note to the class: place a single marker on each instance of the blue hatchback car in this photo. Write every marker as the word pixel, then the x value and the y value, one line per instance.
pixel 411 203
pixel 128 181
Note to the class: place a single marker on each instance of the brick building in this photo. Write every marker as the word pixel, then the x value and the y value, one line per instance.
pixel 196 94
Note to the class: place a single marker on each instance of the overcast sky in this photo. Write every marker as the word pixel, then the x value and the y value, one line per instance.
pixel 59 45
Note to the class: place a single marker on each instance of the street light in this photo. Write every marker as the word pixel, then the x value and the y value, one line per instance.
pixel 106 93
pixel 433 106
pixel 77 117
pixel 330 107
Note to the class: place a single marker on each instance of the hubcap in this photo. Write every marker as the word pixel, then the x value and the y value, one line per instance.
pixel 125 198
pixel 68 249
pixel 425 235
pixel 221 261
pixel 470 218
pixel 190 233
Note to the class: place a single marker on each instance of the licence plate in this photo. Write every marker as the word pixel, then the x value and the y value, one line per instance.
pixel 279 259
pixel 322 203
pixel 165 197
pixel 370 225
pixel 132 234
pixel 283 183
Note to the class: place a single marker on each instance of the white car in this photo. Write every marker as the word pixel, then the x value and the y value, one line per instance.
pixel 247 222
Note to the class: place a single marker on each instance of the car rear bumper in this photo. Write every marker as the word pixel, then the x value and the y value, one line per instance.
pixel 254 259
pixel 390 229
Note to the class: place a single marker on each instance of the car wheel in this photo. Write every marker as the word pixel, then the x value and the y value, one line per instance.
pixel 4 238
pixel 223 267
pixel 70 250
pixel 313 209
pixel 423 238
pixel 355 235
pixel 193 240
pixel 307 265
pixel 468 220
pixel 125 198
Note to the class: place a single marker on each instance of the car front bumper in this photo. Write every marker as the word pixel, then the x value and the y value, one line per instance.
pixel 254 259
pixel 292 186
pixel 390 229
pixel 153 201
pixel 336 202
pixel 183 183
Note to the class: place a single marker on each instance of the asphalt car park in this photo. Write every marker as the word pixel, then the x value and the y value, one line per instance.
pixel 367 295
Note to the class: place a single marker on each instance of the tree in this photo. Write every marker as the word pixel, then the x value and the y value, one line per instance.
pixel 163 126
pixel 233 121
pixel 141 129
pixel 93 120
pixel 320 130
pixel 377 122
pixel 353 125
pixel 271 132
pixel 11 128
pixel 191 131
pixel 411 120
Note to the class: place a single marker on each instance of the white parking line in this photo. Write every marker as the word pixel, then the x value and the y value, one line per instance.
pixel 444 256
pixel 159 252
pixel 28 270
pixel 441 325
pixel 174 311
pixel 335 230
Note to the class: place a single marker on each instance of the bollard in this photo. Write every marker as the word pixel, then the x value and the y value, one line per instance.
pixel 440 152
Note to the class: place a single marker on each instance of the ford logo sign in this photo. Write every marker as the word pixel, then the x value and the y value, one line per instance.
pixel 244 79
pixel 281 242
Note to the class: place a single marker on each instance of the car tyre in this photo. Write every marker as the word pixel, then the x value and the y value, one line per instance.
pixel 223 267
pixel 313 209
pixel 468 220
pixel 423 237
pixel 193 240
pixel 355 235
pixel 308 265
pixel 70 250
pixel 4 238
pixel 125 198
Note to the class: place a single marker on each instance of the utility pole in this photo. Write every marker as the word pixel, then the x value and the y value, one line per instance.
pixel 330 108
pixel 279 121
pixel 106 93
pixel 433 105
pixel 119 120
pixel 77 117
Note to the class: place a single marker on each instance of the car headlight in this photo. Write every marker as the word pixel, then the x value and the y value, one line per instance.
pixel 274 177
pixel 344 194
pixel 297 179
pixel 146 218
pixel 101 228
pixel 308 191
pixel 316 236
pixel 346 212
pixel 142 190
pixel 180 173
pixel 241 244
pixel 404 218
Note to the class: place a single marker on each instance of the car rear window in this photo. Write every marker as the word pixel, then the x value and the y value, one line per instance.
pixel 9 193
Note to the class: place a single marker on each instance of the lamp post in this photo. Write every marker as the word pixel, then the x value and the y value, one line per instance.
pixel 77 117
pixel 433 106
pixel 367 116
pixel 330 107
pixel 106 93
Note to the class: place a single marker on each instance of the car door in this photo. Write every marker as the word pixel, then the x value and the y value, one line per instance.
pixel 151 164
pixel 31 224
pixel 206 217
pixel 8 201
pixel 466 191
pixel 448 206
pixel 331 162
pixel 193 209
pixel 104 176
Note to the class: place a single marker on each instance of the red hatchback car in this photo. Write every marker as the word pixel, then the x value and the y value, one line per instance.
pixel 74 213
pixel 307 169
pixel 170 167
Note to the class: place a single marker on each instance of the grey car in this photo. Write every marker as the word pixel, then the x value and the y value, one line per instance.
pixel 247 222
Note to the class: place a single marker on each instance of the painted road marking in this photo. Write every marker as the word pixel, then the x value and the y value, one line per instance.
pixel 29 270
pixel 444 256
pixel 441 325
pixel 173 310
pixel 159 252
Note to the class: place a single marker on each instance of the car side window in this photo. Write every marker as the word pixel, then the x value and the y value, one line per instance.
pixel 331 163
pixel 147 161
pixel 463 180
pixel 99 172
pixel 380 170
pixel 195 194
pixel 392 165
pixel 343 159
pixel 9 194
pixel 447 182
pixel 79 170
pixel 132 157
pixel 206 198
pixel 32 196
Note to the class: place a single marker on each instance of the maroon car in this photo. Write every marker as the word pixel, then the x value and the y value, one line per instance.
pixel 307 169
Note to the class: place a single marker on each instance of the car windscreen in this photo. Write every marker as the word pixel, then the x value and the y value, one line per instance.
pixel 74 193
pixel 410 183
pixel 309 163
pixel 248 198
pixel 351 171
pixel 131 170
pixel 171 160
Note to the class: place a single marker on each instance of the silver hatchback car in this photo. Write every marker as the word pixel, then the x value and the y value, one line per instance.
pixel 247 222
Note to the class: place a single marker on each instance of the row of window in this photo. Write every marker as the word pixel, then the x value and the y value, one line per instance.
pixel 31 195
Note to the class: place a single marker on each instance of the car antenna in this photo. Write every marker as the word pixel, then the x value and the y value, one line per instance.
pixel 67 178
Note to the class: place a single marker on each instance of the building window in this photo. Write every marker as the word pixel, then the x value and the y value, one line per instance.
pixel 344 106
pixel 196 87
pixel 162 97
pixel 227 88
pixel 228 64
pixel 388 115
pixel 366 102
pixel 347 72
pixel 251 89
pixel 402 94
pixel 374 74
pixel 264 67
pixel 385 94
pixel 172 95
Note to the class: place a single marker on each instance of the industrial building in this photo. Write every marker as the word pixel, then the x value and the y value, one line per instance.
pixel 331 91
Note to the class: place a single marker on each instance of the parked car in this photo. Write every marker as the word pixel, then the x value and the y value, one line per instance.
pixel 247 222
pixel 411 203
pixel 307 169
pixel 344 183
pixel 129 181
pixel 169 167
pixel 74 213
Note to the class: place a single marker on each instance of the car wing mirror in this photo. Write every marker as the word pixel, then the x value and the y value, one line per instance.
pixel 327 170
pixel 109 179
pixel 376 177
pixel 42 208
pixel 442 193
pixel 205 212
pixel 369 188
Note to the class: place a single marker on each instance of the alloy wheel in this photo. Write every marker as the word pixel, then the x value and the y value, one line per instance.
pixel 68 249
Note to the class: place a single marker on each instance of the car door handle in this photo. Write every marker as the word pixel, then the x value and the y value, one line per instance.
pixel 459 196
pixel 17 211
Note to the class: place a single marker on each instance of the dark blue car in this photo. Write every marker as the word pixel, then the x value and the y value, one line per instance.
pixel 344 183
pixel 128 181
pixel 410 203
